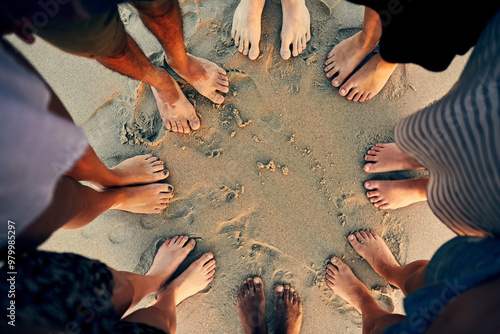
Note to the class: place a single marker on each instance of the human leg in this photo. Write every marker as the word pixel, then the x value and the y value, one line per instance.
pixel 296 29
pixel 342 281
pixel 165 22
pixel 246 27
pixel 251 307
pixel 287 310
pixel 374 250
pixel 162 314
pixel 387 158
pixel 394 194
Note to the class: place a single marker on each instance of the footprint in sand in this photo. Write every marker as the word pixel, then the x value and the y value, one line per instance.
pixel 120 233
pixel 147 257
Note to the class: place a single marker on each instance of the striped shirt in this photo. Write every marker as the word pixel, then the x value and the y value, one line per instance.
pixel 458 140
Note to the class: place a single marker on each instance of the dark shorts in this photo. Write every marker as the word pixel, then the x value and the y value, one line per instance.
pixel 100 35
pixel 66 293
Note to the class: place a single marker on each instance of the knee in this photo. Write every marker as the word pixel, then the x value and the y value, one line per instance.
pixel 156 9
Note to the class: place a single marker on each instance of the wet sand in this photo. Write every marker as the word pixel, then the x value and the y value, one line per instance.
pixel 271 183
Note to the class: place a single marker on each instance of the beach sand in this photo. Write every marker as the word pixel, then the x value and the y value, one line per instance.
pixel 271 183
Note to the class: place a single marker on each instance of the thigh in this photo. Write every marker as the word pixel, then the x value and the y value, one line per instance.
pixel 101 35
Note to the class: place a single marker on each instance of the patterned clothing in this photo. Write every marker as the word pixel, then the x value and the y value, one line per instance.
pixel 66 293
pixel 458 140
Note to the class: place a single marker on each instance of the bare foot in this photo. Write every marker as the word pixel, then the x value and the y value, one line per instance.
pixel 247 27
pixel 375 251
pixel 151 198
pixel 346 56
pixel 396 194
pixel 296 29
pixel 194 279
pixel 139 170
pixel 342 281
pixel 206 77
pixel 387 158
pixel 287 310
pixel 251 306
pixel 368 80
pixel 169 257
pixel 175 110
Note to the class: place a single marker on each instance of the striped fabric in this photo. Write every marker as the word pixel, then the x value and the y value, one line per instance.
pixel 458 140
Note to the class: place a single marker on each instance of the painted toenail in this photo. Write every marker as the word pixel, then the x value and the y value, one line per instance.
pixel 170 188
pixel 165 172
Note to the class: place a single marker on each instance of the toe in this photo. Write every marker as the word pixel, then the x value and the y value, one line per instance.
pixel 286 293
pixel 370 185
pixel 384 206
pixel 180 128
pixel 352 93
pixel 222 88
pixel 210 265
pixel 257 284
pixel 295 48
pixel 371 157
pixel 373 193
pixel 356 97
pixel 185 126
pixel 194 122
pixel 278 293
pixel 285 49
pixel 174 126
pixel 254 50
pixel 363 97
pixel 206 257
pixel 369 235
pixel 168 125
pixel 338 263
pixel 345 87
pixel 375 199
pixel 353 240
pixel 190 244
pixel 333 270
pixel 246 47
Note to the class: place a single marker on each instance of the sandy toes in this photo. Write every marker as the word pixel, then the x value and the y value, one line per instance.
pixel 251 306
pixel 345 57
pixel 365 83
pixel 287 310
pixel 387 158
pixel 375 251
pixel 247 27
pixel 342 281
pixel 194 279
pixel 296 29
pixel 151 198
pixel 169 257
pixel 139 170
pixel 175 110
pixel 396 194
pixel 205 76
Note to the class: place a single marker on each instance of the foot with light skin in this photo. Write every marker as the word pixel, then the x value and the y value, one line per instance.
pixel 141 169
pixel 371 247
pixel 192 280
pixel 390 195
pixel 176 111
pixel 287 310
pixel 387 158
pixel 206 77
pixel 246 27
pixel 169 257
pixel 151 198
pixel 367 82
pixel 346 56
pixel 251 306
pixel 296 29
pixel 342 281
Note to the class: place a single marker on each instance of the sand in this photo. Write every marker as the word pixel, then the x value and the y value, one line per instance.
pixel 271 183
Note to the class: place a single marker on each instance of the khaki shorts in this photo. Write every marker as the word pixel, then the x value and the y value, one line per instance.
pixel 96 36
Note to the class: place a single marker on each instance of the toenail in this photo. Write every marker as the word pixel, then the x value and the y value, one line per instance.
pixel 170 188
pixel 279 288
pixel 367 184
pixel 342 91
pixel 352 237
pixel 334 260
pixel 165 172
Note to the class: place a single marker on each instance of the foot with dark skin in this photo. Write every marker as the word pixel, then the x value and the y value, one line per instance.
pixel 151 198
pixel 246 27
pixel 342 281
pixel 251 307
pixel 387 158
pixel 169 257
pixel 287 310
pixel 371 247
pixel 390 195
